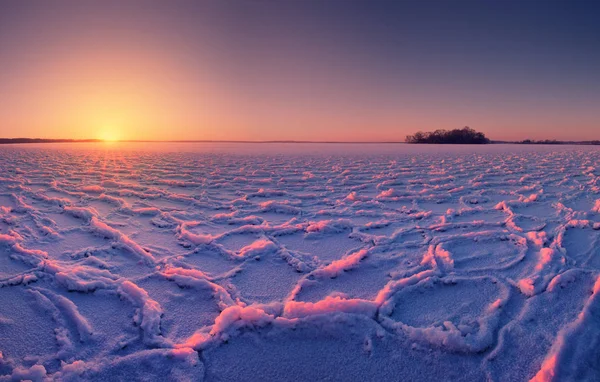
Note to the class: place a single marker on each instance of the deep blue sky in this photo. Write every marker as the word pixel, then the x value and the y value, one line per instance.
pixel 316 70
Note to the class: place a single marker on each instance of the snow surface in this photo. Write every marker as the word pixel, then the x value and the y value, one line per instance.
pixel 299 262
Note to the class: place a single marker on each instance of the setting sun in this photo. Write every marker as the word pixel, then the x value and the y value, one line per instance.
pixel 109 134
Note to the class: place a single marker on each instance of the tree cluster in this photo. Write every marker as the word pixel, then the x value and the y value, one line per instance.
pixel 466 135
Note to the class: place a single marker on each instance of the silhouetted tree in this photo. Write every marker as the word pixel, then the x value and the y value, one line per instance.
pixel 466 135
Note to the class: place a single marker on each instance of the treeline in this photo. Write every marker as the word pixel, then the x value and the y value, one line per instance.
pixel 555 142
pixel 466 135
pixel 6 141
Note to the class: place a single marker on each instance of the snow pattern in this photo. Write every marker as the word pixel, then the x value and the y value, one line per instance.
pixel 299 263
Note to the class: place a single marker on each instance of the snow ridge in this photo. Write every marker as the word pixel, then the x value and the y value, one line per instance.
pixel 485 261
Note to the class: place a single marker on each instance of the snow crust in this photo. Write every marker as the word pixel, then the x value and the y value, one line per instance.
pixel 305 264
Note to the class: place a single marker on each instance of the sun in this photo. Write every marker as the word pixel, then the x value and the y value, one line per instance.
pixel 109 134
pixel 109 137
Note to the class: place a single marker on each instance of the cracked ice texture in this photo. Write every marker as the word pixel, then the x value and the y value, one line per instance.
pixel 299 262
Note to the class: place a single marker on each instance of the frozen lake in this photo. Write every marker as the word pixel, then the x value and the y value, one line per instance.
pixel 228 261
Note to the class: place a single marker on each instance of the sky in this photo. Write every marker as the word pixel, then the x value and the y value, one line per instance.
pixel 329 70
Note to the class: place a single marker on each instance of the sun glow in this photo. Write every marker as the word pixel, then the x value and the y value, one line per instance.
pixel 109 134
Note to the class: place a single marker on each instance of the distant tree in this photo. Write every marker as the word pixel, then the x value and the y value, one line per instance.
pixel 466 135
pixel 418 137
pixel 547 142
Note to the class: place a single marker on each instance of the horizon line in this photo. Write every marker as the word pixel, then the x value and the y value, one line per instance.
pixel 96 140
pixel 22 140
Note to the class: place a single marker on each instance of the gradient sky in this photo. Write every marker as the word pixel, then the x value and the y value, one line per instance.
pixel 299 70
